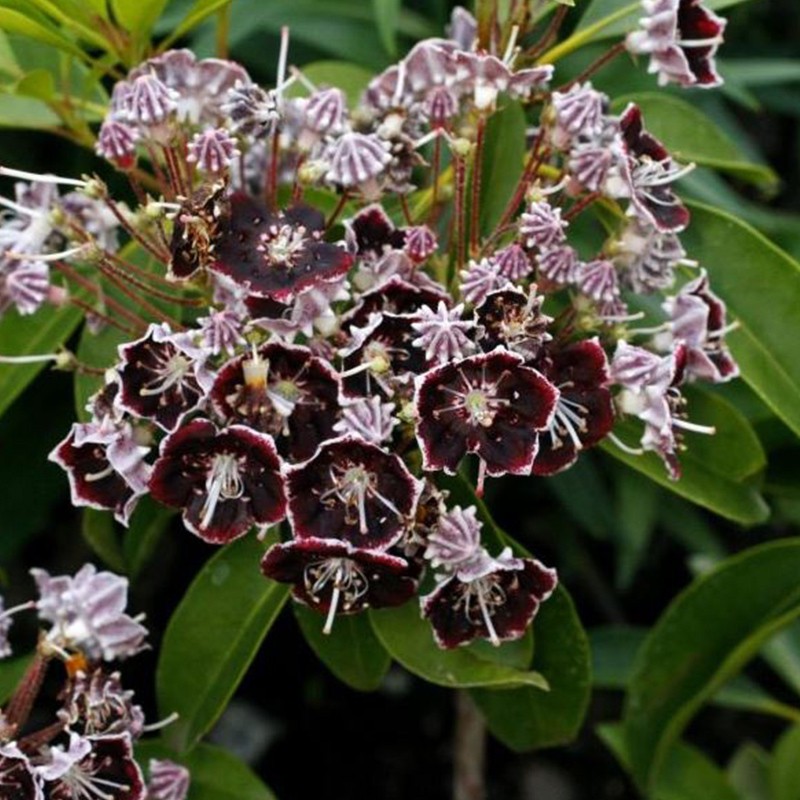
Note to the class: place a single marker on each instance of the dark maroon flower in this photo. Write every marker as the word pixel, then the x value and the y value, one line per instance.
pixel 282 390
pixel 168 780
pixel 380 357
pixel 498 604
pixel 105 466
pixel 584 414
pixel 650 171
pixel 225 481
pixel 681 37
pixel 159 379
pixel 490 405
pixel 334 577
pixel 194 231
pixel 351 490
pixel 512 319
pixel 18 780
pixel 93 767
pixel 373 232
pixel 276 254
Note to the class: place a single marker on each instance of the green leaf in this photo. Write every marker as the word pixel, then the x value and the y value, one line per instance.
pixel 748 772
pixel 687 775
pixel 526 719
pixel 97 350
pixel 149 522
pixel 387 13
pixel 37 83
pixel 785 767
pixel 138 16
pixel 11 672
pixel 351 650
pixel 783 654
pixel 101 535
pixel 12 21
pixel 752 72
pixel 503 155
pixel 691 136
pixel 614 649
pixel 26 112
pixel 409 640
pixel 761 286
pixel 637 516
pixel 350 78
pixel 40 333
pixel 201 10
pixel 706 635
pixel 216 773
pixel 213 636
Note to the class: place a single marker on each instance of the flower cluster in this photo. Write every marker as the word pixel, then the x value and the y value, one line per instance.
pixel 87 751
pixel 348 326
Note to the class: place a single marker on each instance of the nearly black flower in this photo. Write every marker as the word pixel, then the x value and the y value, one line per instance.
pixel 282 390
pixel 276 254
pixel 354 491
pixel 489 404
pixel 497 604
pixel 225 481
pixel 334 577
pixel 583 414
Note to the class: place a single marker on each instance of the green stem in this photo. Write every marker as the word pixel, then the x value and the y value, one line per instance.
pixel 586 35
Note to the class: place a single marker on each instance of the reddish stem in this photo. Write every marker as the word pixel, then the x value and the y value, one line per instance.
pixel 580 205
pixel 535 158
pixel 406 210
pixel 89 309
pixel 459 211
pixel 336 211
pixel 163 257
pixel 436 168
pixel 550 33
pixel 477 165
pixel 21 703
pixel 596 65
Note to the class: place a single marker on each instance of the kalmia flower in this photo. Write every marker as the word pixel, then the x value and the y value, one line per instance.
pixel 513 263
pixel 333 576
pixel 276 254
pixel 18 778
pixel 442 333
pixel 490 405
pixel 558 265
pixel 351 490
pixel 578 112
pixel 541 225
pixel 509 318
pixel 212 150
pixel 647 257
pixel 225 480
pixel 479 279
pixel 455 540
pixel 496 603
pixel 367 418
pixel 87 614
pixel 681 37
pixel 356 161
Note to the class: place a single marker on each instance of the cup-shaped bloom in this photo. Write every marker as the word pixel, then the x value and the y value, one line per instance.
pixel 334 577
pixel 497 603
pixel 224 480
pixel 354 491
pixel 282 390
pixel 488 404
pixel 584 414
pixel 510 318
pixel 276 254
pixel 18 779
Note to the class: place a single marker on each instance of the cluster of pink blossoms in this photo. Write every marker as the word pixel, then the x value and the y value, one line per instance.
pixel 86 752
pixel 334 369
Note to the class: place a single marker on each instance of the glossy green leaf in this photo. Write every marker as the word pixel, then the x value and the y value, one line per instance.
pixel 350 78
pixel 11 672
pixel 138 16
pixel 37 83
pixel 200 10
pixel 409 640
pixel 503 154
pixel 526 719
pixel 748 772
pixel 8 61
pixel 213 636
pixel 387 13
pixel 38 334
pixel 691 136
pixel 149 522
pixel 761 286
pixel 13 21
pixel 614 649
pixel 687 774
pixel 753 72
pixel 101 535
pixel 706 635
pixel 216 773
pixel 351 650
pixel 785 767
pixel 625 16
pixel 26 112
pixel 782 652
pixel 637 516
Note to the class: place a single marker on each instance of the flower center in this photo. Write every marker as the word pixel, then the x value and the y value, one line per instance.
pixel 224 482
pixel 169 371
pixel 283 245
pixel 479 600
pixel 85 785
pixel 349 584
